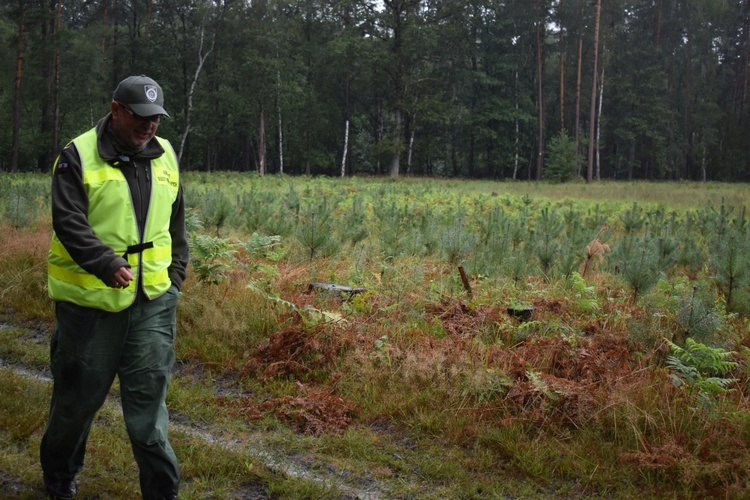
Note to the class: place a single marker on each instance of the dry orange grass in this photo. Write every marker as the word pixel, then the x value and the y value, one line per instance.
pixel 33 242
pixel 23 272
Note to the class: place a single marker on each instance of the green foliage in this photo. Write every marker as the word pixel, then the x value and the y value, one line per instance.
pixel 315 229
pixel 640 261
pixel 216 209
pixel 563 161
pixel 574 240
pixel 193 223
pixel 494 239
pixel 632 220
pixel 256 208
pixel 393 229
pixel 352 228
pixel 380 352
pixel 19 210
pixel 265 246
pixel 21 203
pixel 486 386
pixel 211 257
pixel 730 256
pixel 583 295
pixel 697 319
pixel 701 369
pixel 457 241
pixel 546 247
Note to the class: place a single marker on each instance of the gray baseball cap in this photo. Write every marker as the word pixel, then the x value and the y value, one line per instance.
pixel 144 96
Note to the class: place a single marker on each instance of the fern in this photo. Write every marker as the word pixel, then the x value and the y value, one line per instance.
pixel 702 369
pixel 265 246
pixel 211 257
pixel 584 296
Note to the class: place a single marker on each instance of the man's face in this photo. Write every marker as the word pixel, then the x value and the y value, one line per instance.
pixel 132 130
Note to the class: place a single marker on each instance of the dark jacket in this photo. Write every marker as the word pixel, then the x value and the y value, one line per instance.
pixel 70 205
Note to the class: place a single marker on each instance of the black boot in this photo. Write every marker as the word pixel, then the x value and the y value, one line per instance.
pixel 60 489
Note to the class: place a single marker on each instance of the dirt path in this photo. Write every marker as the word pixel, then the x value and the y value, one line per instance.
pixel 251 444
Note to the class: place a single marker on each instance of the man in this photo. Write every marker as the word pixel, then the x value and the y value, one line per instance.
pixel 118 258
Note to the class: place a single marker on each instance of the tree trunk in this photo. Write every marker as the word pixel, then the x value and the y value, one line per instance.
pixel 631 159
pixel 115 66
pixel 410 151
pixel 346 149
pixel 578 92
pixel 396 158
pixel 518 129
pixel 281 143
pixel 16 120
pixel 380 132
pixel 592 115
pixel 103 39
pixel 46 104
pixel 741 78
pixel 201 59
pixel 540 97
pixel 562 78
pixel 308 141
pixel 599 126
pixel 262 145
pixel 147 21
pixel 56 86
pixel 281 129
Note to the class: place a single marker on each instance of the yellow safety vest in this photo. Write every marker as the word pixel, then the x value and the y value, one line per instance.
pixel 113 220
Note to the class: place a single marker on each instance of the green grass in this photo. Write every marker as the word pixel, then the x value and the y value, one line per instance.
pixel 22 346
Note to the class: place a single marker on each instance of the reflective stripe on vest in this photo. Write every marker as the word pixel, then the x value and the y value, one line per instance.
pixel 112 217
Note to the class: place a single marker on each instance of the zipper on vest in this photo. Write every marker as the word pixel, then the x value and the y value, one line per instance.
pixel 141 227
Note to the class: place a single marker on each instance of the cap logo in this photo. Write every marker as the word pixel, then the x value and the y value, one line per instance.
pixel 151 93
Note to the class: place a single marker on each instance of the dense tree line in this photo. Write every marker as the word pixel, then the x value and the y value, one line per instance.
pixel 523 89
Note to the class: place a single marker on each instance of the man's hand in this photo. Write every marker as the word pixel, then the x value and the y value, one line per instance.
pixel 121 278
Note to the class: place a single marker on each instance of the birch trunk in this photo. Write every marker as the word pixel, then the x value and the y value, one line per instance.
pixel 592 114
pixel 201 59
pixel 409 152
pixel 346 149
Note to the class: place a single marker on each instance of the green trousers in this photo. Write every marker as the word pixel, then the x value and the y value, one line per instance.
pixel 88 348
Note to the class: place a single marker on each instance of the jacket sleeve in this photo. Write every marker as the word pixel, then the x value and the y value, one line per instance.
pixel 180 250
pixel 70 206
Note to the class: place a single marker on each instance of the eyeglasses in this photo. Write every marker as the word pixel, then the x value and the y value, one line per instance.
pixel 153 119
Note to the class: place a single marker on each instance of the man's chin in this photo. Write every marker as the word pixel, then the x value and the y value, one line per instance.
pixel 140 141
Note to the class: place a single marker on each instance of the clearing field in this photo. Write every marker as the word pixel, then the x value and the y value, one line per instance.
pixel 422 338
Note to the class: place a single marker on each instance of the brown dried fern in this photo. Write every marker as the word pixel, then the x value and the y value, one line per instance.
pixel 595 251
